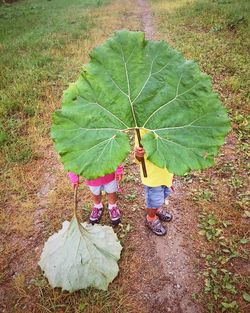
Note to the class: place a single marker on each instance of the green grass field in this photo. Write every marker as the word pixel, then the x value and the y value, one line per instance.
pixel 38 46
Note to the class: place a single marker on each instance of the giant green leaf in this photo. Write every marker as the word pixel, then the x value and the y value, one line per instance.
pixel 81 255
pixel 134 83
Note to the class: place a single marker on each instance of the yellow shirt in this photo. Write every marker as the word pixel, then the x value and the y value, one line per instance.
pixel 156 176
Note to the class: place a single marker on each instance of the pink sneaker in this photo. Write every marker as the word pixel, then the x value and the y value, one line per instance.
pixel 95 215
pixel 115 215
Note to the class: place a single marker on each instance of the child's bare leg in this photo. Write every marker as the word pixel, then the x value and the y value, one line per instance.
pixel 159 213
pixel 151 213
pixel 112 198
pixel 96 213
pixel 97 199
pixel 114 213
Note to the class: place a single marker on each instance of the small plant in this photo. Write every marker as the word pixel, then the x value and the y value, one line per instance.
pixel 203 195
pixel 124 230
pixel 209 226
pixel 243 126
pixel 229 305
pixel 243 200
pixel 3 137
pixel 235 22
pixel 227 169
pixel 130 197
pixel 235 182
pixel 216 28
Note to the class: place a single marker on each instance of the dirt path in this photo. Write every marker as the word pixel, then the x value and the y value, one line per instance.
pixel 176 250
pixel 146 18
pixel 176 253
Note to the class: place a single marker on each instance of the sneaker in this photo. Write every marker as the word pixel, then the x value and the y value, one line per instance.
pixel 115 215
pixel 164 216
pixel 156 227
pixel 95 215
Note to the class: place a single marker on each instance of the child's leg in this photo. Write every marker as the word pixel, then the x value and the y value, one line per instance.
pixel 114 213
pixel 112 198
pixel 97 199
pixel 151 213
pixel 154 199
pixel 97 210
pixel 162 213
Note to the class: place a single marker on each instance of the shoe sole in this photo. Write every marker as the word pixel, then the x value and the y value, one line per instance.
pixel 116 222
pixel 94 222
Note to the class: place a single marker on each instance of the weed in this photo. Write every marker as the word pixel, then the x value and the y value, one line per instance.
pixel 130 197
pixel 228 169
pixel 3 137
pixel 124 230
pixel 243 126
pixel 217 28
pixel 235 21
pixel 235 182
pixel 209 226
pixel 218 280
pixel 246 297
pixel 229 305
pixel 203 195
pixel 130 178
pixel 243 200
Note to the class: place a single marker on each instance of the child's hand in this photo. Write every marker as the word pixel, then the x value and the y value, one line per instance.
pixel 118 177
pixel 139 153
pixel 75 185
pixel 74 179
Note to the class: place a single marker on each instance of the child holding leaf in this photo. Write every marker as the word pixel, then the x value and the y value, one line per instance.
pixel 157 187
pixel 108 183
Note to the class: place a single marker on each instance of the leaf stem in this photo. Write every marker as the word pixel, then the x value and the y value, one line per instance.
pixel 143 160
pixel 75 202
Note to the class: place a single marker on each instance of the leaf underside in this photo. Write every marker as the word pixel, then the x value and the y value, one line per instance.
pixel 134 83
pixel 81 256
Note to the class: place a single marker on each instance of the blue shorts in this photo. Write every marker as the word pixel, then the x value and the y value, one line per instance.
pixel 155 196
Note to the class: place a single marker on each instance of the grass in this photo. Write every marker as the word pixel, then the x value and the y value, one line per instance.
pixel 43 46
pixel 216 34
pixel 37 52
pixel 222 54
